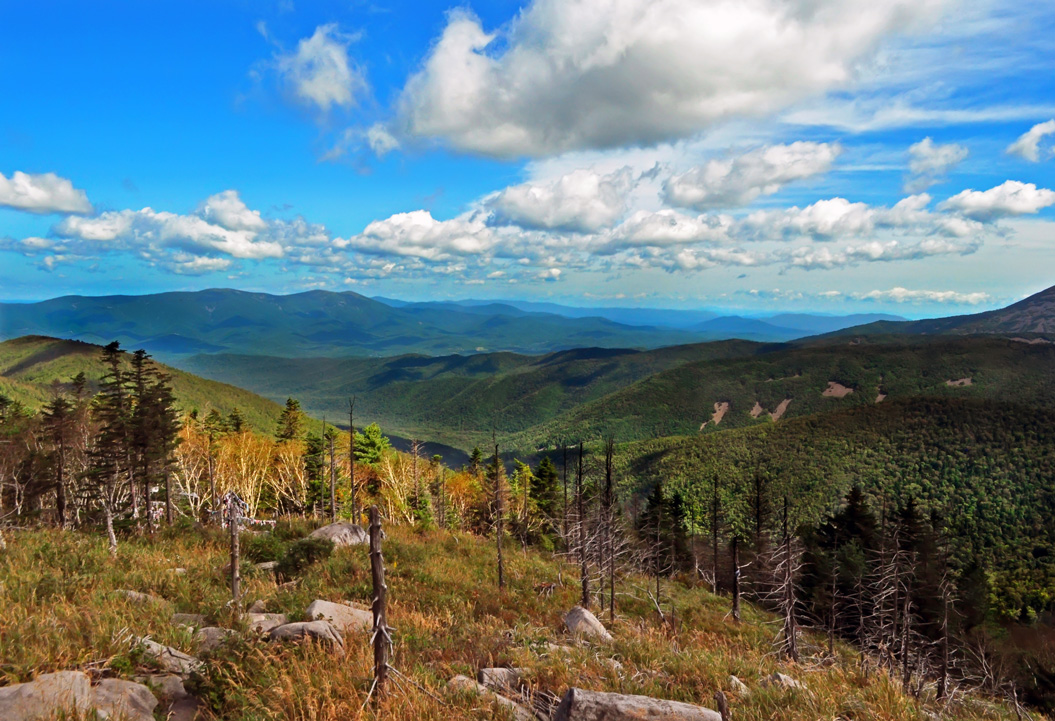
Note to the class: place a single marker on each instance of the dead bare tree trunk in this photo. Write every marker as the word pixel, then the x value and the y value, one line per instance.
pixel 499 513
pixel 381 640
pixel 736 578
pixel 564 508
pixel 714 534
pixel 212 485
pixel 333 481
pixel 584 576
pixel 234 513
pixel 168 496
pixel 351 458
pixel 791 642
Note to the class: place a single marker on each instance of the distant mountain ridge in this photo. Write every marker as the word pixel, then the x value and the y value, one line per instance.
pixel 328 324
pixel 1032 316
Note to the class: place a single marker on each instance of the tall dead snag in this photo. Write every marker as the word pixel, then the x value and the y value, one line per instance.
pixel 333 478
pixel 351 458
pixel 381 639
pixel 564 508
pixel 608 521
pixel 715 505
pixel 499 515
pixel 584 574
pixel 788 567
pixel 736 577
pixel 234 517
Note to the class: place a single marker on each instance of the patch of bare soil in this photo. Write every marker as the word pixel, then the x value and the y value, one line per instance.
pixel 781 409
pixel 880 397
pixel 836 390
pixel 720 409
pixel 960 383
pixel 757 410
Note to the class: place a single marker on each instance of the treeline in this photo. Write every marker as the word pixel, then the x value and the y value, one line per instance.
pixel 922 530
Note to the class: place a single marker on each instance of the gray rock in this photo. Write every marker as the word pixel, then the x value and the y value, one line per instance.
pixel 266 566
pixel 779 680
pixel 210 638
pixel 464 684
pixel 170 659
pixel 124 700
pixel 584 624
pixel 342 534
pixel 179 571
pixel 184 709
pixel 194 620
pixel 344 618
pixel 258 606
pixel 581 705
pixel 168 686
pixel 500 679
pixel 264 622
pixel 317 630
pixel 46 697
pixel 738 687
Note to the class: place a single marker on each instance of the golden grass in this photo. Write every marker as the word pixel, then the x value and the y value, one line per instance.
pixel 58 611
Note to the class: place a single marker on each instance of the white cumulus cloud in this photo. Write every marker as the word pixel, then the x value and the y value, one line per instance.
pixel 930 162
pixel 1007 199
pixel 737 181
pixel 320 71
pixel 580 201
pixel 904 295
pixel 581 74
pixel 1028 144
pixel 42 193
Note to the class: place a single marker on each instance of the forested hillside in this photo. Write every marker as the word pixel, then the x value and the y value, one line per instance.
pixel 31 367
pixel 536 402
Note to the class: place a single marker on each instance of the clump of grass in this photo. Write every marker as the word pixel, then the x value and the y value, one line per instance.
pixel 60 612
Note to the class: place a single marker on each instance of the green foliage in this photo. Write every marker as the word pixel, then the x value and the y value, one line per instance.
pixel 371 444
pixel 262 547
pixel 983 467
pixel 301 554
pixel 33 367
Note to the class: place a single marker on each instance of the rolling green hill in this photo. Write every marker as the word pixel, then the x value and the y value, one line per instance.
pixel 536 401
pixel 30 366
pixel 455 399
pixel 983 466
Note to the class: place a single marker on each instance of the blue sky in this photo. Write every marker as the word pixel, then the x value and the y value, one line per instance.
pixel 829 155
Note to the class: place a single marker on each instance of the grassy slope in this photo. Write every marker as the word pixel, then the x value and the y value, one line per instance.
pixel 29 366
pixel 448 616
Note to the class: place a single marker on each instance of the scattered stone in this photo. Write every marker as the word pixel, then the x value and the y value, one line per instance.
pixel 179 571
pixel 342 534
pixel 210 638
pixel 739 687
pixel 580 705
pixel 266 566
pixel 168 685
pixel 124 700
pixel 556 648
pixel 258 606
pixel 170 659
pixel 500 679
pixel 46 697
pixel 583 623
pixel 464 684
pixel 779 680
pixel 318 630
pixel 194 620
pixel 138 597
pixel 184 709
pixel 264 622
pixel 344 618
